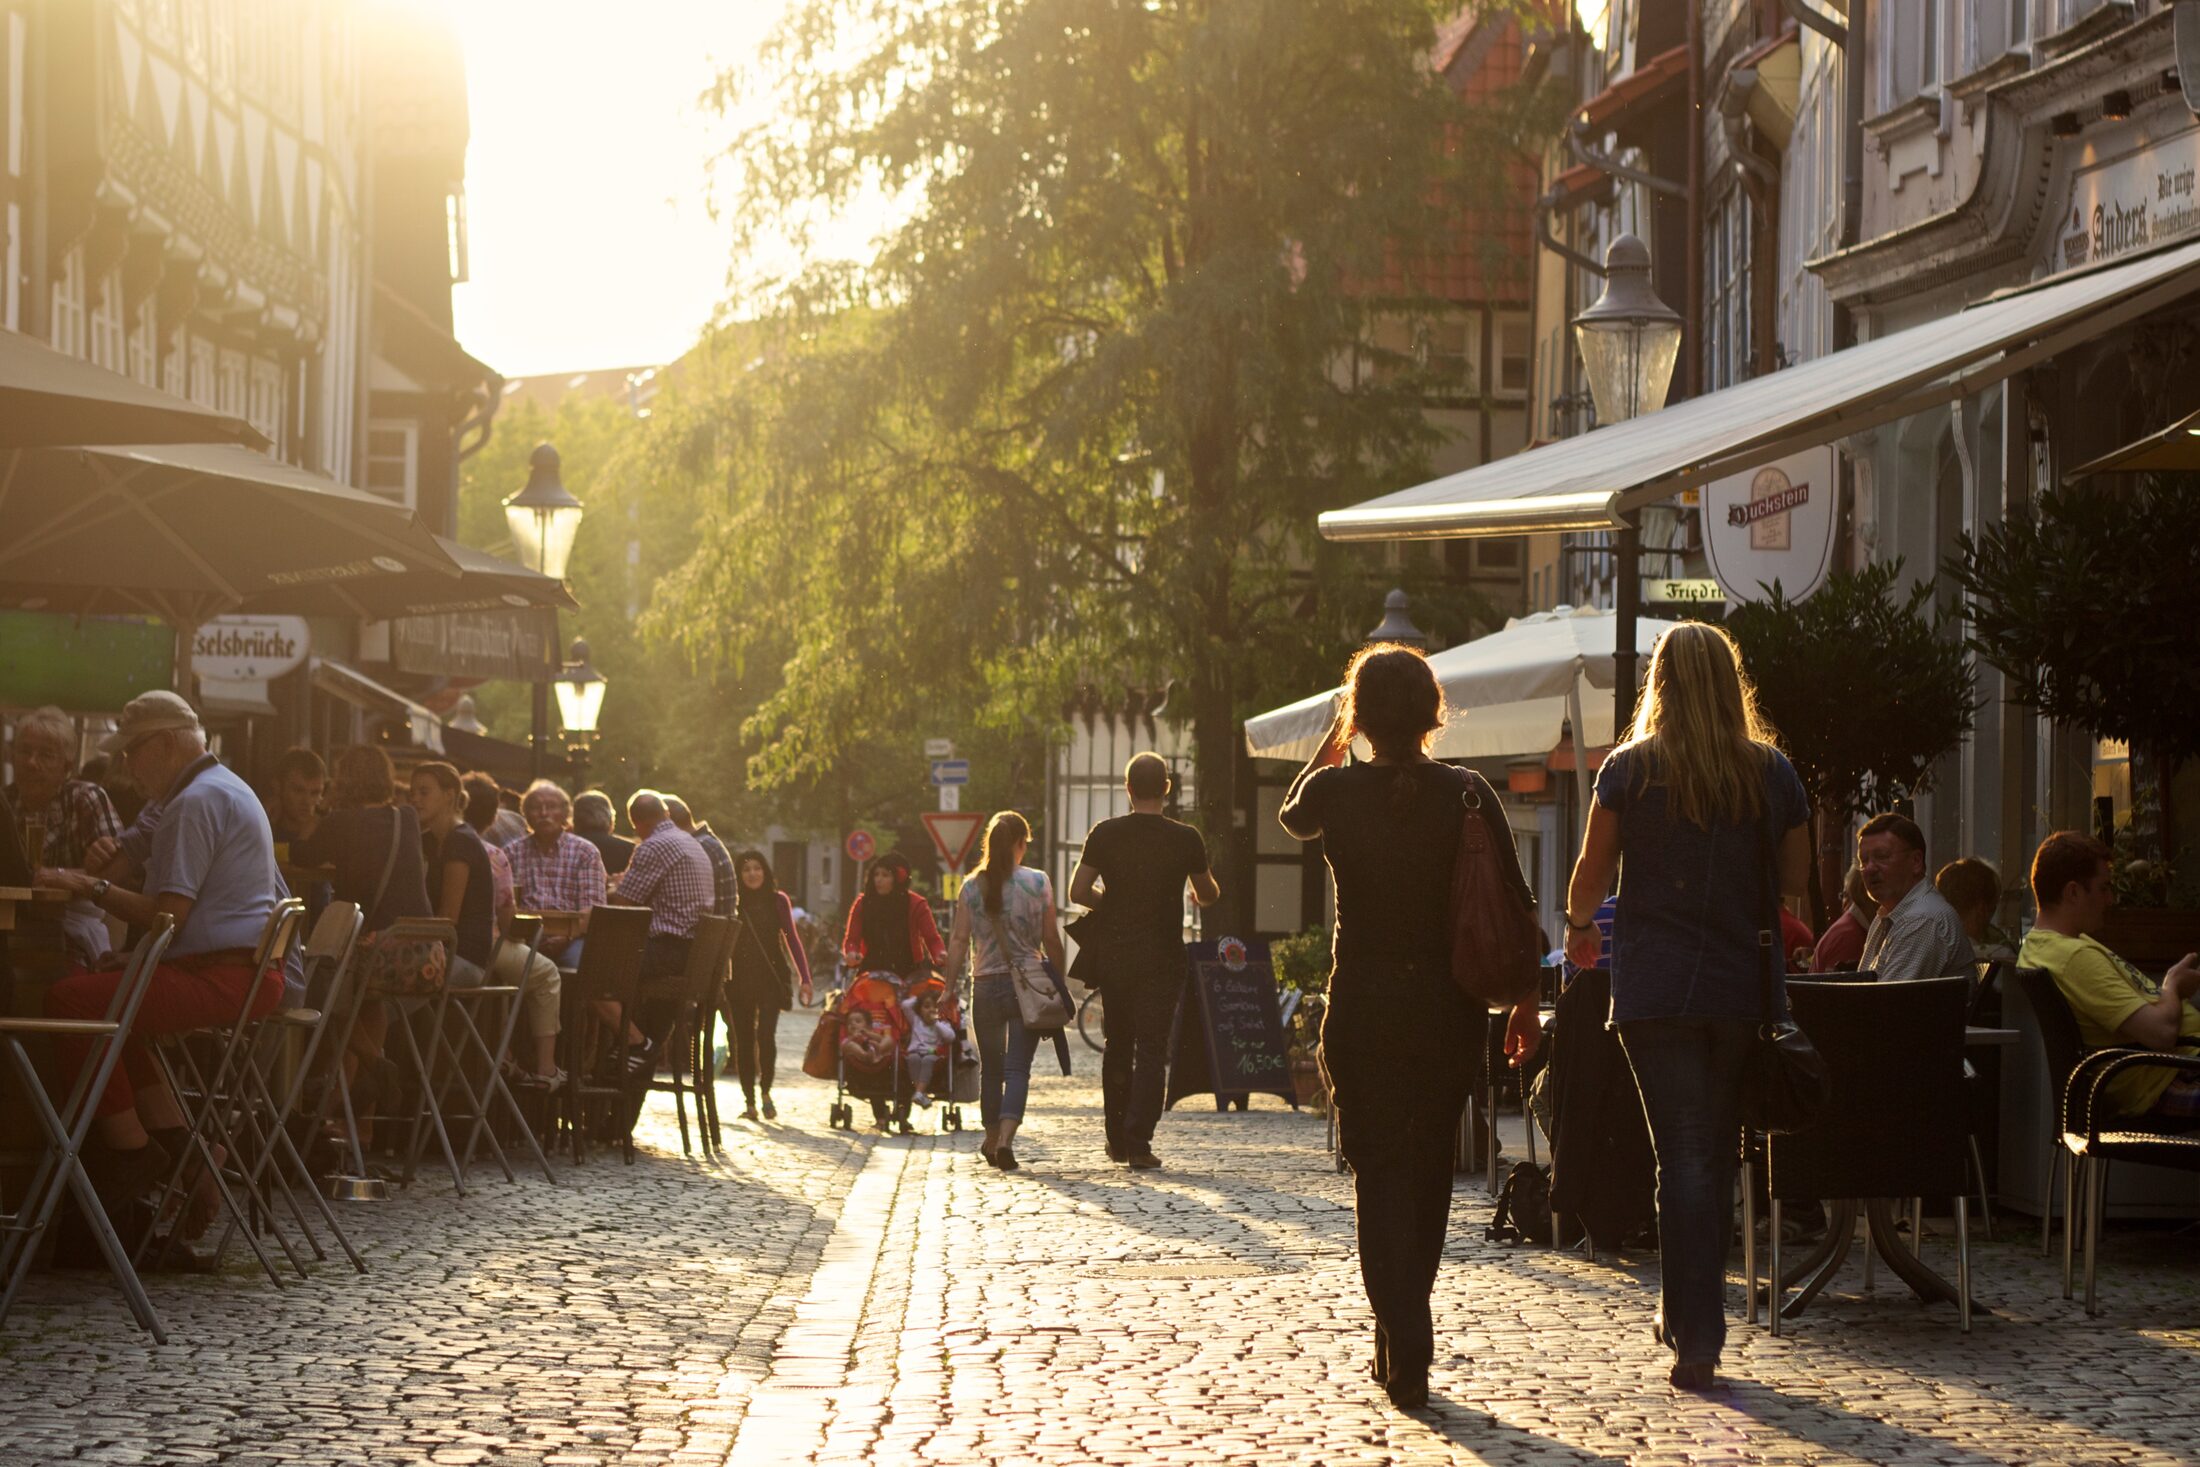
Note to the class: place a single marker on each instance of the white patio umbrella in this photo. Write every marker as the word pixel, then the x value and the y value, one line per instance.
pixel 1510 692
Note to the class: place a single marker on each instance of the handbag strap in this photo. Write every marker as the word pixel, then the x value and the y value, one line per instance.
pixel 389 865
pixel 1480 799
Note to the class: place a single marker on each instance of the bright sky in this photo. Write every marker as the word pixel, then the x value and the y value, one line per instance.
pixel 591 241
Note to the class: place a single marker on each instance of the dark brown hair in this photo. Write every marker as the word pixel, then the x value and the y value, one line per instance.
pixel 1968 882
pixel 1391 696
pixel 1146 776
pixel 483 799
pixel 364 778
pixel 2066 856
pixel 445 775
pixel 1901 827
pixel 299 761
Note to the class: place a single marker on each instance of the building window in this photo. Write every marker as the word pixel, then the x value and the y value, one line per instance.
pixel 264 408
pixel 1911 37
pixel 1994 28
pixel 105 318
pixel 1388 351
pixel 454 219
pixel 1515 346
pixel 1453 345
pixel 393 460
pixel 175 368
pixel 229 387
pixel 144 345
pixel 68 304
pixel 1727 336
pixel 203 356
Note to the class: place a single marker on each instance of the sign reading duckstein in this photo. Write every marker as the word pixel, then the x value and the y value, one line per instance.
pixel 1228 1038
pixel 1773 523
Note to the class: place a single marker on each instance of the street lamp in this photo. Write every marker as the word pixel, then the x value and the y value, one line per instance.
pixel 544 517
pixel 1629 342
pixel 580 690
pixel 1396 625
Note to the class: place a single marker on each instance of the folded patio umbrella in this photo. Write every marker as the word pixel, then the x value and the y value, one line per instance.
pixel 484 582
pixel 187 532
pixel 49 399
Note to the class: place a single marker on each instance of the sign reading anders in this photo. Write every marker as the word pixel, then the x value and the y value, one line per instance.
pixel 1772 523
pixel 2126 195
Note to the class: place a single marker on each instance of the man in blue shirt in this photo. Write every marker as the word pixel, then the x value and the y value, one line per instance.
pixel 211 868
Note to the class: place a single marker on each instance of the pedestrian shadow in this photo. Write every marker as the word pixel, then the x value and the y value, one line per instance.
pixel 1494 1440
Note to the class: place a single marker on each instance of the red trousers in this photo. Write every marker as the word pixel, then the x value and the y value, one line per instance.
pixel 186 994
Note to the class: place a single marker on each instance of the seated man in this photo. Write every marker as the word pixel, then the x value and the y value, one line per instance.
pixel 1916 934
pixel 593 818
pixel 74 813
pixel 211 867
pixel 2115 1004
pixel 671 876
pixel 1972 888
pixel 554 870
pixel 511 964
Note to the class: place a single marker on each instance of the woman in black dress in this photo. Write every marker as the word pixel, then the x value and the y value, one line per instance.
pixel 767 958
pixel 1401 1042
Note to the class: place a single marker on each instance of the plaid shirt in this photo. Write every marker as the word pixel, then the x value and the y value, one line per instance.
pixel 671 876
pixel 568 879
pixel 721 870
pixel 77 815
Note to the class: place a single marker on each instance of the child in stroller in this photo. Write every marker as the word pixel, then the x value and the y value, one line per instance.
pixel 874 1033
pixel 931 1040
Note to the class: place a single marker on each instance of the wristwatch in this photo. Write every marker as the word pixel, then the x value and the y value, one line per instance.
pixel 99 890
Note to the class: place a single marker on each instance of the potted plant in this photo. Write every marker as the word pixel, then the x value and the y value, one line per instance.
pixel 2086 605
pixel 1301 965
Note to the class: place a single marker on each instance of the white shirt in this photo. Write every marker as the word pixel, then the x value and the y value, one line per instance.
pixel 1919 937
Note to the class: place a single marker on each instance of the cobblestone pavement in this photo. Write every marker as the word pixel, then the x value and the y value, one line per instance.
pixel 822 1297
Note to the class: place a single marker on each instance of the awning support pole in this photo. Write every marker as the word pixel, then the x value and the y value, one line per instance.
pixel 1628 574
pixel 1581 752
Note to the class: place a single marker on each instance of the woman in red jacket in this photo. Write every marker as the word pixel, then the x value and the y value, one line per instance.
pixel 890 929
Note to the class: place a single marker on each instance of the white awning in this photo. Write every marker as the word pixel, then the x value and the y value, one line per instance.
pixel 361 691
pixel 1587 483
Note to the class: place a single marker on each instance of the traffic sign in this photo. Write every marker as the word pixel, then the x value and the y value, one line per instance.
pixel 953 834
pixel 939 748
pixel 862 845
pixel 950 771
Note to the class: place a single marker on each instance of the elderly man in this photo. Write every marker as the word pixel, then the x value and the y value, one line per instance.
pixel 554 870
pixel 593 818
pixel 671 876
pixel 2114 1002
pixel 212 869
pixel 74 813
pixel 721 860
pixel 1916 934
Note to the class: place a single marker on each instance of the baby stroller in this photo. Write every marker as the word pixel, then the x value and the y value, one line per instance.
pixel 876 996
pixel 946 1082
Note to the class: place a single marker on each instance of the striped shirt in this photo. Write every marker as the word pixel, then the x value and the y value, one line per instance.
pixel 78 814
pixel 1920 937
pixel 671 876
pixel 721 871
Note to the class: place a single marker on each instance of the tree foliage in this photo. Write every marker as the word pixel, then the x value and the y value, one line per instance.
pixel 1075 417
pixel 1866 692
pixel 2086 605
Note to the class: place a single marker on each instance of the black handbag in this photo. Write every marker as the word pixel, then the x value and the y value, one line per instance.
pixel 1785 1084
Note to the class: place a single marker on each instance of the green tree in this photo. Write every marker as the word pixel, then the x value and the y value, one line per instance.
pixel 1866 691
pixel 1077 415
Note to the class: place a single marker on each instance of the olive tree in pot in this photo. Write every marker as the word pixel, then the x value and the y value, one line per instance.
pixel 2087 605
pixel 1866 689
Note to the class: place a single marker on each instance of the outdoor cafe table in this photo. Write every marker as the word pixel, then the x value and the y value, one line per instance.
pixel 12 897
pixel 1881 1219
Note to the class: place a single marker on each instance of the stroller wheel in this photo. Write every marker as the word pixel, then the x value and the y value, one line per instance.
pixel 951 1119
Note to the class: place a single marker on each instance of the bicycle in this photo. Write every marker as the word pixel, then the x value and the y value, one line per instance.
pixel 1092 1022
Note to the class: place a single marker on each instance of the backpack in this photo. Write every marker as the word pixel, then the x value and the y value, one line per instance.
pixel 1523 1207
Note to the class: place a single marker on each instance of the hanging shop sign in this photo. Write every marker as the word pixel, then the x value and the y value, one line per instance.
pixel 2128 193
pixel 234 658
pixel 1773 523
pixel 517 645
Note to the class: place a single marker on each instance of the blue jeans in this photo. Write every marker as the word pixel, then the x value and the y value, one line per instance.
pixel 1690 1074
pixel 1005 1048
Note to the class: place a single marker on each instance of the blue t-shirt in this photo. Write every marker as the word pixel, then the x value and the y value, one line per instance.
pixel 1692 900
pixel 213 845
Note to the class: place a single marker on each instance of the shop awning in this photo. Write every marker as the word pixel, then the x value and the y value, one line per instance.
pixel 1588 482
pixel 356 688
pixel 2175 449
pixel 49 399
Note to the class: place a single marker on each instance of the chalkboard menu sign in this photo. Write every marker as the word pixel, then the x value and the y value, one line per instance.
pixel 1229 1036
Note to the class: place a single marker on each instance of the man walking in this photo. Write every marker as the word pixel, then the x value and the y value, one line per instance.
pixel 1133 873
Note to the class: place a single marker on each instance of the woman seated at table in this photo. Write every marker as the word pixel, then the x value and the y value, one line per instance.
pixel 373 845
pixel 534 975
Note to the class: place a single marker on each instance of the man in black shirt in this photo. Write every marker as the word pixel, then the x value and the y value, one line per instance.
pixel 1133 874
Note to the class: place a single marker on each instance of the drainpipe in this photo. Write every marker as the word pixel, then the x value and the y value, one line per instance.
pixel 1576 143
pixel 1692 289
pixel 1543 236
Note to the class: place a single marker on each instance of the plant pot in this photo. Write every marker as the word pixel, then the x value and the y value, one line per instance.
pixel 1306 1084
pixel 2152 938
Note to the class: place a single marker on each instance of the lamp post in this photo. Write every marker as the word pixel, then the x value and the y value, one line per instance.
pixel 1396 625
pixel 580 690
pixel 1629 341
pixel 544 517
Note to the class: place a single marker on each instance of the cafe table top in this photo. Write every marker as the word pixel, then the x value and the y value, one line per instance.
pixel 13 896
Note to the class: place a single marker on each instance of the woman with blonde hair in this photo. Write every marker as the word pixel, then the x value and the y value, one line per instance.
pixel 1400 1042
pixel 1005 923
pixel 1706 823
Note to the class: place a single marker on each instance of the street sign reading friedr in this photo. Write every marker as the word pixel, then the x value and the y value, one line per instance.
pixel 950 771
pixel 1704 591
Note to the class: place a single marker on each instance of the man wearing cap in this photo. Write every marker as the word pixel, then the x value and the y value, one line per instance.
pixel 211 867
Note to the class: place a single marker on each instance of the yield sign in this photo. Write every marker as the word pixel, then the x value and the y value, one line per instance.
pixel 953 834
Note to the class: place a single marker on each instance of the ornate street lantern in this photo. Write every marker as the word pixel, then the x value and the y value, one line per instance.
pixel 544 517
pixel 1629 339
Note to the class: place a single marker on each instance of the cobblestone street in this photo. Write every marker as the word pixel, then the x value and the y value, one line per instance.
pixel 822 1297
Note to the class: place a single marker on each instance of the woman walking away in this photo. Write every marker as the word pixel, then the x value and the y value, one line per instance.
pixel 1401 1041
pixel 1700 813
pixel 1004 922
pixel 767 960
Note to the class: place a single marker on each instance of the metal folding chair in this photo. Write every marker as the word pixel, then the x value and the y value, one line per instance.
pixel 61 1164
pixel 424 1060
pixel 465 1035
pixel 216 1115
pixel 268 1068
